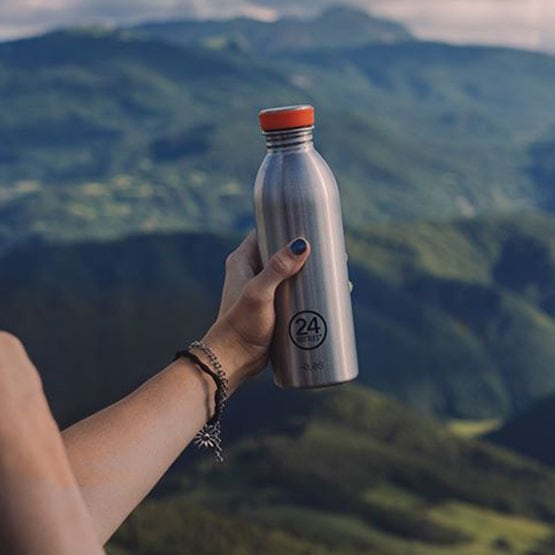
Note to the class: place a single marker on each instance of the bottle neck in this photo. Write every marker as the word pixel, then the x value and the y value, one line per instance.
pixel 289 139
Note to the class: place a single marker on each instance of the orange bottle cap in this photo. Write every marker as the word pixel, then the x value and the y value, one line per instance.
pixel 286 117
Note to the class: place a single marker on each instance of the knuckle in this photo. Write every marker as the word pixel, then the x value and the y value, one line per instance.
pixel 231 259
pixel 258 293
pixel 280 264
pixel 253 293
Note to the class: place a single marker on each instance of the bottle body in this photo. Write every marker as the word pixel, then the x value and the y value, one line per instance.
pixel 296 195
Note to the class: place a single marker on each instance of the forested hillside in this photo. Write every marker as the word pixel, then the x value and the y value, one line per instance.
pixel 107 132
pixel 457 319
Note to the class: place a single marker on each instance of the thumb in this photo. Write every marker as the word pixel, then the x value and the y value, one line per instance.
pixel 284 264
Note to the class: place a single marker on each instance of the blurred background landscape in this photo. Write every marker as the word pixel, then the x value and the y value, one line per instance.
pixel 128 148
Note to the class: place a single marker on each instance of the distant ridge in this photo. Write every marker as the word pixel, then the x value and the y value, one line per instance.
pixel 335 27
pixel 109 132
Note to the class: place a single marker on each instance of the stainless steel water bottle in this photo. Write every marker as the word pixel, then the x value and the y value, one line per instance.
pixel 296 195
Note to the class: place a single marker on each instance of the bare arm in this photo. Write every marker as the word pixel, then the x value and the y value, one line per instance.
pixel 41 508
pixel 120 453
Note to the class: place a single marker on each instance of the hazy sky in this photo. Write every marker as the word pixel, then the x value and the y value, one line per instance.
pixel 527 23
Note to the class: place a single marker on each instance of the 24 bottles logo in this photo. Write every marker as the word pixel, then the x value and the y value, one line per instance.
pixel 308 329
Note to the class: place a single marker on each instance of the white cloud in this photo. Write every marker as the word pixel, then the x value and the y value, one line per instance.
pixel 22 17
pixel 526 23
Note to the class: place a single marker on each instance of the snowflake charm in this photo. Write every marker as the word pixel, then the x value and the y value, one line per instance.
pixel 209 437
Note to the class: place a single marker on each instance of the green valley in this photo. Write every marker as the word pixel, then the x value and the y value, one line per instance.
pixel 348 472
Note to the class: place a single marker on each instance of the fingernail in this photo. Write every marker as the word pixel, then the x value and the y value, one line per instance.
pixel 298 246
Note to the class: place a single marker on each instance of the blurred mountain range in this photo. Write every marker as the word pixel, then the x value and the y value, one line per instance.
pixel 456 319
pixel 453 318
pixel 336 27
pixel 103 132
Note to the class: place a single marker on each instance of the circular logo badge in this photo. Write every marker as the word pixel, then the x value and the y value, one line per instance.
pixel 308 329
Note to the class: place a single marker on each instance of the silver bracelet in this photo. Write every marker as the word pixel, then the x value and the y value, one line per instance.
pixel 210 435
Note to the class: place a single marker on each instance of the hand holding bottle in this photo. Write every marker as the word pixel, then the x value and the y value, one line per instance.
pixel 243 331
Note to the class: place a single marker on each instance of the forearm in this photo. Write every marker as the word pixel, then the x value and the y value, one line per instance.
pixel 41 509
pixel 120 453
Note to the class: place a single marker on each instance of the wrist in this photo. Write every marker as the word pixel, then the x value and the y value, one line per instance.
pixel 235 362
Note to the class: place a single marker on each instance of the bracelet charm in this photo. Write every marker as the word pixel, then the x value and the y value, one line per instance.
pixel 209 437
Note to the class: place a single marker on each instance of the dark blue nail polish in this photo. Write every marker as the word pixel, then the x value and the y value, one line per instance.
pixel 298 246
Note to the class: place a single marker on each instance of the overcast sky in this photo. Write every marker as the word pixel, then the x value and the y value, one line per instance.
pixel 526 23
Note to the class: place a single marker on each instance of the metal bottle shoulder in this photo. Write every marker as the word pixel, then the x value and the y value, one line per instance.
pixel 296 172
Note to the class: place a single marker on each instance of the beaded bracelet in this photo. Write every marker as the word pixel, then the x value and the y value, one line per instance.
pixel 210 434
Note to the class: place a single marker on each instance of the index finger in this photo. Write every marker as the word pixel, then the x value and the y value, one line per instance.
pixel 249 248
